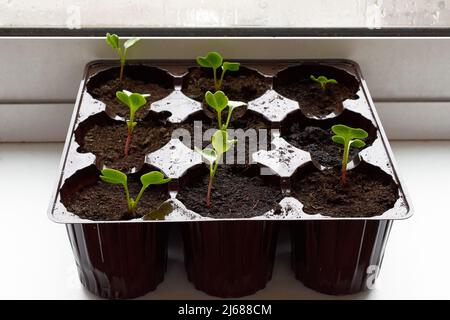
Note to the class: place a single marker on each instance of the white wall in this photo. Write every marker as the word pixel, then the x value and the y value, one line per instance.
pixel 409 76
pixel 248 13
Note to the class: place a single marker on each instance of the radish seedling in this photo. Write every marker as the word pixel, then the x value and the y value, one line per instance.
pixel 349 137
pixel 220 145
pixel 219 102
pixel 322 81
pixel 117 177
pixel 214 61
pixel 134 101
pixel 113 41
pixel 220 140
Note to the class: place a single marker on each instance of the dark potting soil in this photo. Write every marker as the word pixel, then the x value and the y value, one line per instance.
pixel 237 193
pixel 244 85
pixel 368 192
pixel 313 100
pixel 106 93
pixel 318 143
pixel 104 201
pixel 246 121
pixel 107 142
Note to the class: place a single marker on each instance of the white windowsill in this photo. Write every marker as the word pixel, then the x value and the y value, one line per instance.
pixel 38 262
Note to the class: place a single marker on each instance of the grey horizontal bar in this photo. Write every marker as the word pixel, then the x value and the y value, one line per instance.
pixel 229 32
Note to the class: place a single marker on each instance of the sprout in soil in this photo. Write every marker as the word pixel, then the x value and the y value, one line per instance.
pixel 323 81
pixel 348 137
pixel 220 140
pixel 220 145
pixel 117 177
pixel 219 102
pixel 113 41
pixel 214 61
pixel 134 101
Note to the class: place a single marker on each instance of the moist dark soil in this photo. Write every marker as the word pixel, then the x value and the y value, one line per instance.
pixel 104 201
pixel 237 193
pixel 318 143
pixel 107 142
pixel 244 85
pixel 106 93
pixel 313 100
pixel 249 120
pixel 367 192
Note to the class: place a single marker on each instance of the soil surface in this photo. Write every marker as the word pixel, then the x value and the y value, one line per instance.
pixel 318 143
pixel 313 100
pixel 368 192
pixel 249 120
pixel 237 193
pixel 244 85
pixel 107 142
pixel 104 201
pixel 106 93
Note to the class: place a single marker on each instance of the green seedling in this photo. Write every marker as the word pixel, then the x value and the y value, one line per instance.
pixel 322 81
pixel 219 102
pixel 214 61
pixel 220 140
pixel 134 101
pixel 220 144
pixel 348 137
pixel 114 42
pixel 117 177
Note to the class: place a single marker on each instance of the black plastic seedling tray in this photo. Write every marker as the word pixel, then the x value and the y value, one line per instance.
pixel 330 254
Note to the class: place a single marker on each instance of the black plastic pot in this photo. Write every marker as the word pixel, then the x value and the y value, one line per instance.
pixel 338 257
pixel 230 259
pixel 120 261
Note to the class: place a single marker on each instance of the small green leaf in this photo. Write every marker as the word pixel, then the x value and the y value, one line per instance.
pixel 322 80
pixel 220 141
pixel 341 129
pixel 136 101
pixel 153 177
pixel 348 136
pixel 358 133
pixel 230 66
pixel 207 153
pixel 332 81
pixel 133 100
pixel 112 40
pixel 338 139
pixel 212 60
pixel 218 101
pixel 123 97
pixel 358 143
pixel 130 42
pixel 113 176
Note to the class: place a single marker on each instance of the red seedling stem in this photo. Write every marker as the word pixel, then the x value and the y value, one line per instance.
pixel 344 175
pixel 121 73
pixel 208 195
pixel 128 142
